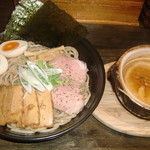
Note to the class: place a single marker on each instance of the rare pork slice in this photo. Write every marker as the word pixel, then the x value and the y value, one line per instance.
pixel 72 68
pixel 30 116
pixel 68 99
pixel 45 109
pixel 12 104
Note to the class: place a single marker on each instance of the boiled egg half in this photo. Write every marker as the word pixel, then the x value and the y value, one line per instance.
pixel 3 64
pixel 13 48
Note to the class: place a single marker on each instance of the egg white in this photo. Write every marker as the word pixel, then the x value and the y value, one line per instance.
pixel 3 64
pixel 23 45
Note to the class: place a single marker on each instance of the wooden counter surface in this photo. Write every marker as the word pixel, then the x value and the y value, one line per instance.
pixel 110 41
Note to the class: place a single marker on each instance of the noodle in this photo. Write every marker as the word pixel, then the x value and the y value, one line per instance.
pixel 36 52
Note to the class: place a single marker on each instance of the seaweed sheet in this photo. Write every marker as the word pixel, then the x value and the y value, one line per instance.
pixel 51 26
pixel 19 17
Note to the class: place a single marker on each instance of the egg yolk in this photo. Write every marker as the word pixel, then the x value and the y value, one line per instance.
pixel 10 46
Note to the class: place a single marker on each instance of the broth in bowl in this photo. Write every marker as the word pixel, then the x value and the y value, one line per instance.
pixel 136 75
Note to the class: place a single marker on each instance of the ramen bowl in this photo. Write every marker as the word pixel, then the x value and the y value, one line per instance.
pixel 131 76
pixel 89 55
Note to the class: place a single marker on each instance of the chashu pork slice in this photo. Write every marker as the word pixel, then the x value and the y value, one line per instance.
pixel 45 108
pixel 30 116
pixel 34 111
pixel 12 104
pixel 2 99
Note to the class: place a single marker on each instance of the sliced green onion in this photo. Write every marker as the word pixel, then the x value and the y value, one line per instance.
pixel 40 75
pixel 53 71
pixel 50 65
pixel 19 83
pixel 28 76
pixel 24 58
pixel 55 80
pixel 27 86
pixel 42 64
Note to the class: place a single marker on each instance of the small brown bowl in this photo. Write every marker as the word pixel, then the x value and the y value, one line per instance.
pixel 129 79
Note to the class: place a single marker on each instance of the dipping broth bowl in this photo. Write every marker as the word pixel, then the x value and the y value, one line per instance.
pixel 130 76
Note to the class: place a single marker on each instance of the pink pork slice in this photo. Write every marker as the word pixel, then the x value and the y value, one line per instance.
pixel 73 68
pixel 68 99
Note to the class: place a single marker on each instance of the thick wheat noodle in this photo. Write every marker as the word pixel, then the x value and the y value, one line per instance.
pixel 11 76
pixel 71 51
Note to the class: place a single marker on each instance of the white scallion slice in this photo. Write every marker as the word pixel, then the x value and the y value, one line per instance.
pixel 53 71
pixel 40 75
pixel 27 86
pixel 31 79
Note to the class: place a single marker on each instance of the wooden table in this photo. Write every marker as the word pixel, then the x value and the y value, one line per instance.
pixel 110 41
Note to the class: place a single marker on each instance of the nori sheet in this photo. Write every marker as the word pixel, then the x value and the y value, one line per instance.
pixel 19 17
pixel 52 27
